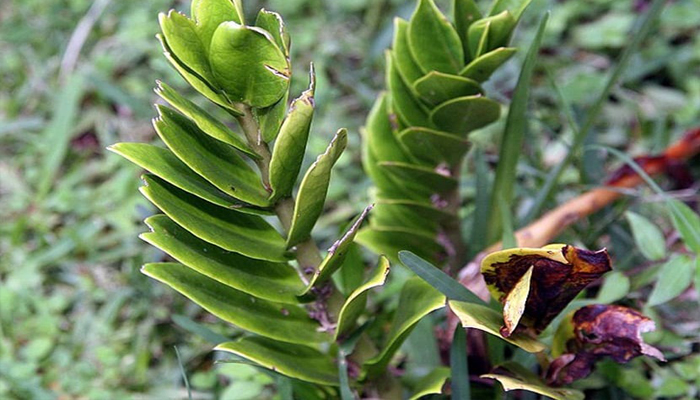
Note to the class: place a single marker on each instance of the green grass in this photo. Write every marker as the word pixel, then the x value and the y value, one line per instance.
pixel 78 320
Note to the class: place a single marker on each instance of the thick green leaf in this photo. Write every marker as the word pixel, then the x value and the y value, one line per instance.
pixel 164 164
pixel 205 121
pixel 390 241
pixel 274 25
pixel 687 223
pixel 313 190
pixel 497 30
pixel 431 383
pixel 673 278
pixel 433 146
pixel 615 287
pixel 270 118
pixel 248 65
pixel 284 322
pixel 403 101
pixel 481 317
pixel 452 289
pixel 417 300
pixel 465 13
pixel 215 161
pixel 196 81
pixel 465 114
pixel 288 153
pixel 277 282
pixel 183 40
pixel 520 378
pixel 335 257
pixel 427 211
pixel 483 66
pixel 648 237
pixel 516 7
pixel 436 180
pixel 295 361
pixel 434 43
pixel 461 389
pixel 231 230
pixel 400 216
pixel 355 303
pixel 437 87
pixel 513 137
pixel 405 63
pixel 209 14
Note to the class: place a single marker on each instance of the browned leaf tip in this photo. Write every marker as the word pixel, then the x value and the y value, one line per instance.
pixel 559 274
pixel 600 331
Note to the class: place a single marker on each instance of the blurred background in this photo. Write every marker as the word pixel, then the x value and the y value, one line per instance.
pixel 79 321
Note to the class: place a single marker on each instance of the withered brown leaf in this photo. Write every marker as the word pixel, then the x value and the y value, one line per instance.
pixel 559 273
pixel 598 331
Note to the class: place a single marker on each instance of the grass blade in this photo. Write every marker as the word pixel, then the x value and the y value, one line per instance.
pixel 184 374
pixel 438 279
pixel 513 136
pixel 458 364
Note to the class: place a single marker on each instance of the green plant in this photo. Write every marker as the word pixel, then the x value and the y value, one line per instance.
pixel 240 235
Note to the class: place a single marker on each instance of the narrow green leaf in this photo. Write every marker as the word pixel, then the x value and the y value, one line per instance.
pixel 615 287
pixel 283 322
pixel 434 43
pixel 205 121
pixel 433 146
pixel 313 190
pixel 462 115
pixel 215 161
pixel 490 33
pixel 405 63
pixel 344 378
pixel 439 280
pixel 185 43
pixel 274 25
pixel 165 165
pixel 514 136
pixel 248 65
pixel 647 236
pixel 402 99
pixel 277 282
pixel 486 319
pixel 519 378
pixel 436 181
pixel 390 241
pixel 270 118
pixel 209 14
pixel 355 303
pixel 295 361
pixel 288 153
pixel 335 257
pixel 417 300
pixel 687 223
pixel 231 230
pixel 197 82
pixel 458 364
pixel 466 12
pixel 674 277
pixel 436 88
pixel 483 66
